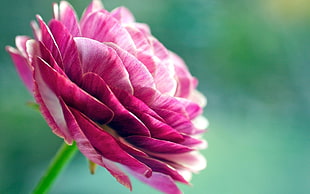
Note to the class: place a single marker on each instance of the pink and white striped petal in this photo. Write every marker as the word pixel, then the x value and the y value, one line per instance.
pixel 94 6
pixel 68 50
pixel 138 74
pixel 159 181
pixel 49 42
pixel 71 93
pixel 67 16
pixel 49 104
pixel 103 27
pixel 158 146
pixel 123 15
pixel 89 151
pixel 112 150
pixel 24 69
pixel 97 87
pixel 104 61
pixel 162 167
pixel 193 161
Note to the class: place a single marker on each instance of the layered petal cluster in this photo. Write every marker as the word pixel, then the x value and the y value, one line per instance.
pixel 106 83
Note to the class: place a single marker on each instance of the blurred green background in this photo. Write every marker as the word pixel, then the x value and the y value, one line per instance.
pixel 252 59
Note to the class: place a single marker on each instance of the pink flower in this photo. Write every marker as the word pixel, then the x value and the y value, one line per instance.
pixel 106 83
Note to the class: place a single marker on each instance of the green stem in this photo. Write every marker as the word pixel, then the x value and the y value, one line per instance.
pixel 62 157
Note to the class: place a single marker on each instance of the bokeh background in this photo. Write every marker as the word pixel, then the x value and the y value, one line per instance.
pixel 253 62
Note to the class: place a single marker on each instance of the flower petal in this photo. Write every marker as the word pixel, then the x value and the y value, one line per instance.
pixel 36 30
pixel 193 161
pixel 123 15
pixel 194 142
pixel 156 100
pixel 140 39
pixel 48 101
pixel 158 128
pixel 138 74
pixel 159 181
pixel 169 108
pixel 103 27
pixel 108 146
pixel 46 55
pixel 89 151
pixel 200 122
pixel 20 42
pixel 198 97
pixel 186 82
pixel 192 108
pixel 68 50
pixel 156 58
pixel 49 42
pixel 72 94
pixel 177 121
pixel 165 73
pixel 103 60
pixel 124 122
pixel 156 125
pixel 162 167
pixel 143 28
pixel 149 144
pixel 23 68
pixel 67 16
pixel 94 6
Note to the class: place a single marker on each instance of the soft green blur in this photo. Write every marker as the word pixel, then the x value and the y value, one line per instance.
pixel 252 59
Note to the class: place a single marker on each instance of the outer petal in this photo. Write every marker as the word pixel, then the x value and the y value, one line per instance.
pixel 160 181
pixel 20 42
pixel 143 28
pixel 94 6
pixel 49 42
pixel 67 16
pixel 192 109
pixel 73 95
pixel 162 167
pixel 89 151
pixel 123 15
pixel 47 56
pixel 68 50
pixel 165 73
pixel 186 174
pixel 193 161
pixel 36 30
pixel 108 146
pixel 51 110
pixel 23 68
pixel 198 97
pixel 186 82
pixel 200 122
pixel 48 101
pixel 102 60
pixel 194 142
pixel 103 27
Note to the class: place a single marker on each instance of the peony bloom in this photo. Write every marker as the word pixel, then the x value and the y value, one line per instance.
pixel 106 83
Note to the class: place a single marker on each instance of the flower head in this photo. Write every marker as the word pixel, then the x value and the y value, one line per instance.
pixel 106 83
